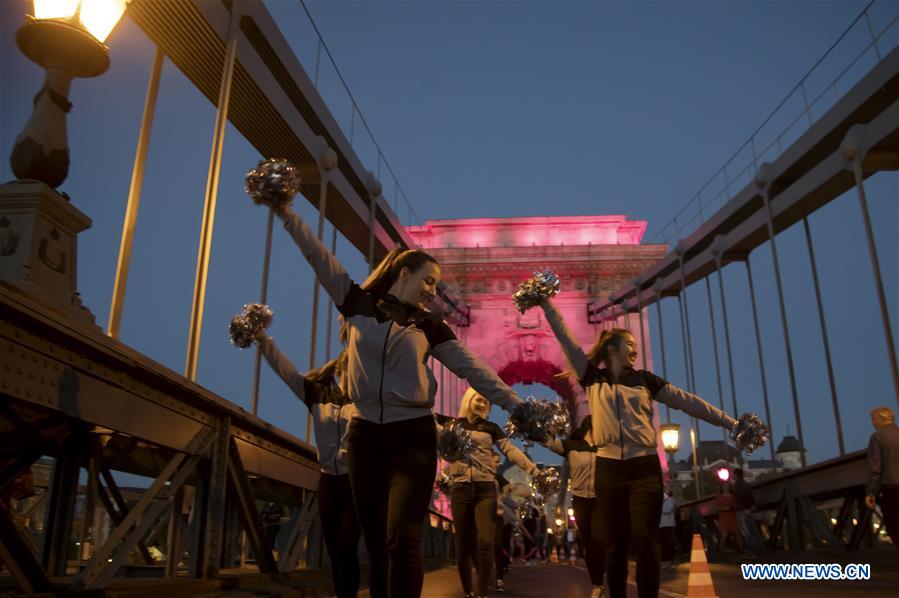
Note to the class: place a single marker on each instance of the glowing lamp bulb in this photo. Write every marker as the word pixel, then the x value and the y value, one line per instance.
pixel 670 437
pixel 723 474
pixel 97 17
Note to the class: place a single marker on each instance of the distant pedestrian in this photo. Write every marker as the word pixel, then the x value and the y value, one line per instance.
pixel 727 518
pixel 742 492
pixel 666 529
pixel 883 469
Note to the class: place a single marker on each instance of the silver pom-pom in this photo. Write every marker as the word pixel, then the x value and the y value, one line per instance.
pixel 749 433
pixel 546 483
pixel 512 432
pixel 273 182
pixel 454 442
pixel 539 420
pixel 444 483
pixel 526 506
pixel 533 291
pixel 246 325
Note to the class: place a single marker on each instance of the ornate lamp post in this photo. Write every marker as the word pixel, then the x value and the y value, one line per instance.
pixel 670 437
pixel 38 227
pixel 66 38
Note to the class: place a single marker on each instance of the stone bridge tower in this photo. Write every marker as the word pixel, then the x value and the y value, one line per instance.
pixel 484 259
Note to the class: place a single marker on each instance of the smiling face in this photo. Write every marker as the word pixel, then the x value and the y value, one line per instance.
pixel 480 406
pixel 625 354
pixel 418 288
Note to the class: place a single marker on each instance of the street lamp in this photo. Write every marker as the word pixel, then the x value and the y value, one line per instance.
pixel 66 38
pixel 670 437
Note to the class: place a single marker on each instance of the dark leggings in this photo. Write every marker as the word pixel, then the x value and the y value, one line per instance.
pixel 629 504
pixel 584 508
pixel 474 517
pixel 391 469
pixel 341 531
pixel 889 506
pixel 501 549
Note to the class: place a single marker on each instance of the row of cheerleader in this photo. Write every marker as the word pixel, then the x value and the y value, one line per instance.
pixel 378 440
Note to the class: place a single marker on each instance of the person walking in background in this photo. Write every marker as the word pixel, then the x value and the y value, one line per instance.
pixel 883 469
pixel 727 518
pixel 529 534
pixel 666 530
pixel 570 542
pixel 742 492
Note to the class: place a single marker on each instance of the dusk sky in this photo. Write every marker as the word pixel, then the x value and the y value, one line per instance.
pixel 495 109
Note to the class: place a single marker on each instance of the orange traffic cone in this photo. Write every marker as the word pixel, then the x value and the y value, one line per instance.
pixel 699 584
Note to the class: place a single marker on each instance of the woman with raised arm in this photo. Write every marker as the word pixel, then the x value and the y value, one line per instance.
pixel 628 472
pixel 473 492
pixel 331 410
pixel 580 453
pixel 392 442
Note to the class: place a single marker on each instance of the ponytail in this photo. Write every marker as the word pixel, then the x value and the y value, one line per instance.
pixel 388 270
pixel 329 370
pixel 607 340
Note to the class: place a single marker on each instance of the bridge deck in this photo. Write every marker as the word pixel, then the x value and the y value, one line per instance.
pixel 571 581
pixel 543 580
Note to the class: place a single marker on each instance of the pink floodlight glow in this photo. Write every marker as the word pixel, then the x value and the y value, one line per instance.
pixel 527 232
pixel 723 474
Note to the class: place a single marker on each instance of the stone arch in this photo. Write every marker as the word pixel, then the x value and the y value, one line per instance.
pixel 548 374
pixel 482 261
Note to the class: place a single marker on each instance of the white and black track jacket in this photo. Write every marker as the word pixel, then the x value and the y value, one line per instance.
pixel 389 344
pixel 478 467
pixel 581 456
pixel 622 409
pixel 330 408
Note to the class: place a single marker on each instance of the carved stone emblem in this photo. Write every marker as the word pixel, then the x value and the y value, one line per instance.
pixel 51 254
pixel 9 239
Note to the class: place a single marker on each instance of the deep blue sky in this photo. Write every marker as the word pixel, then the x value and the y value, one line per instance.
pixel 491 109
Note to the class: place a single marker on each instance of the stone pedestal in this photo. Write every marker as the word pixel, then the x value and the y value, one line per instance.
pixel 38 245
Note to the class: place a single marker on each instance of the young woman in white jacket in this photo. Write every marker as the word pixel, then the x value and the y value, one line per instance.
pixel 473 492
pixel 332 412
pixel 391 444
pixel 628 473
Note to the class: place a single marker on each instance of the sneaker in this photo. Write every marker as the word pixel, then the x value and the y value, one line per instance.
pixel 500 585
pixel 597 592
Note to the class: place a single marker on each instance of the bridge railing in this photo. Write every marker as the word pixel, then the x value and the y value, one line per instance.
pixel 819 506
pixel 864 43
pixel 330 82
pixel 751 280
pixel 97 409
